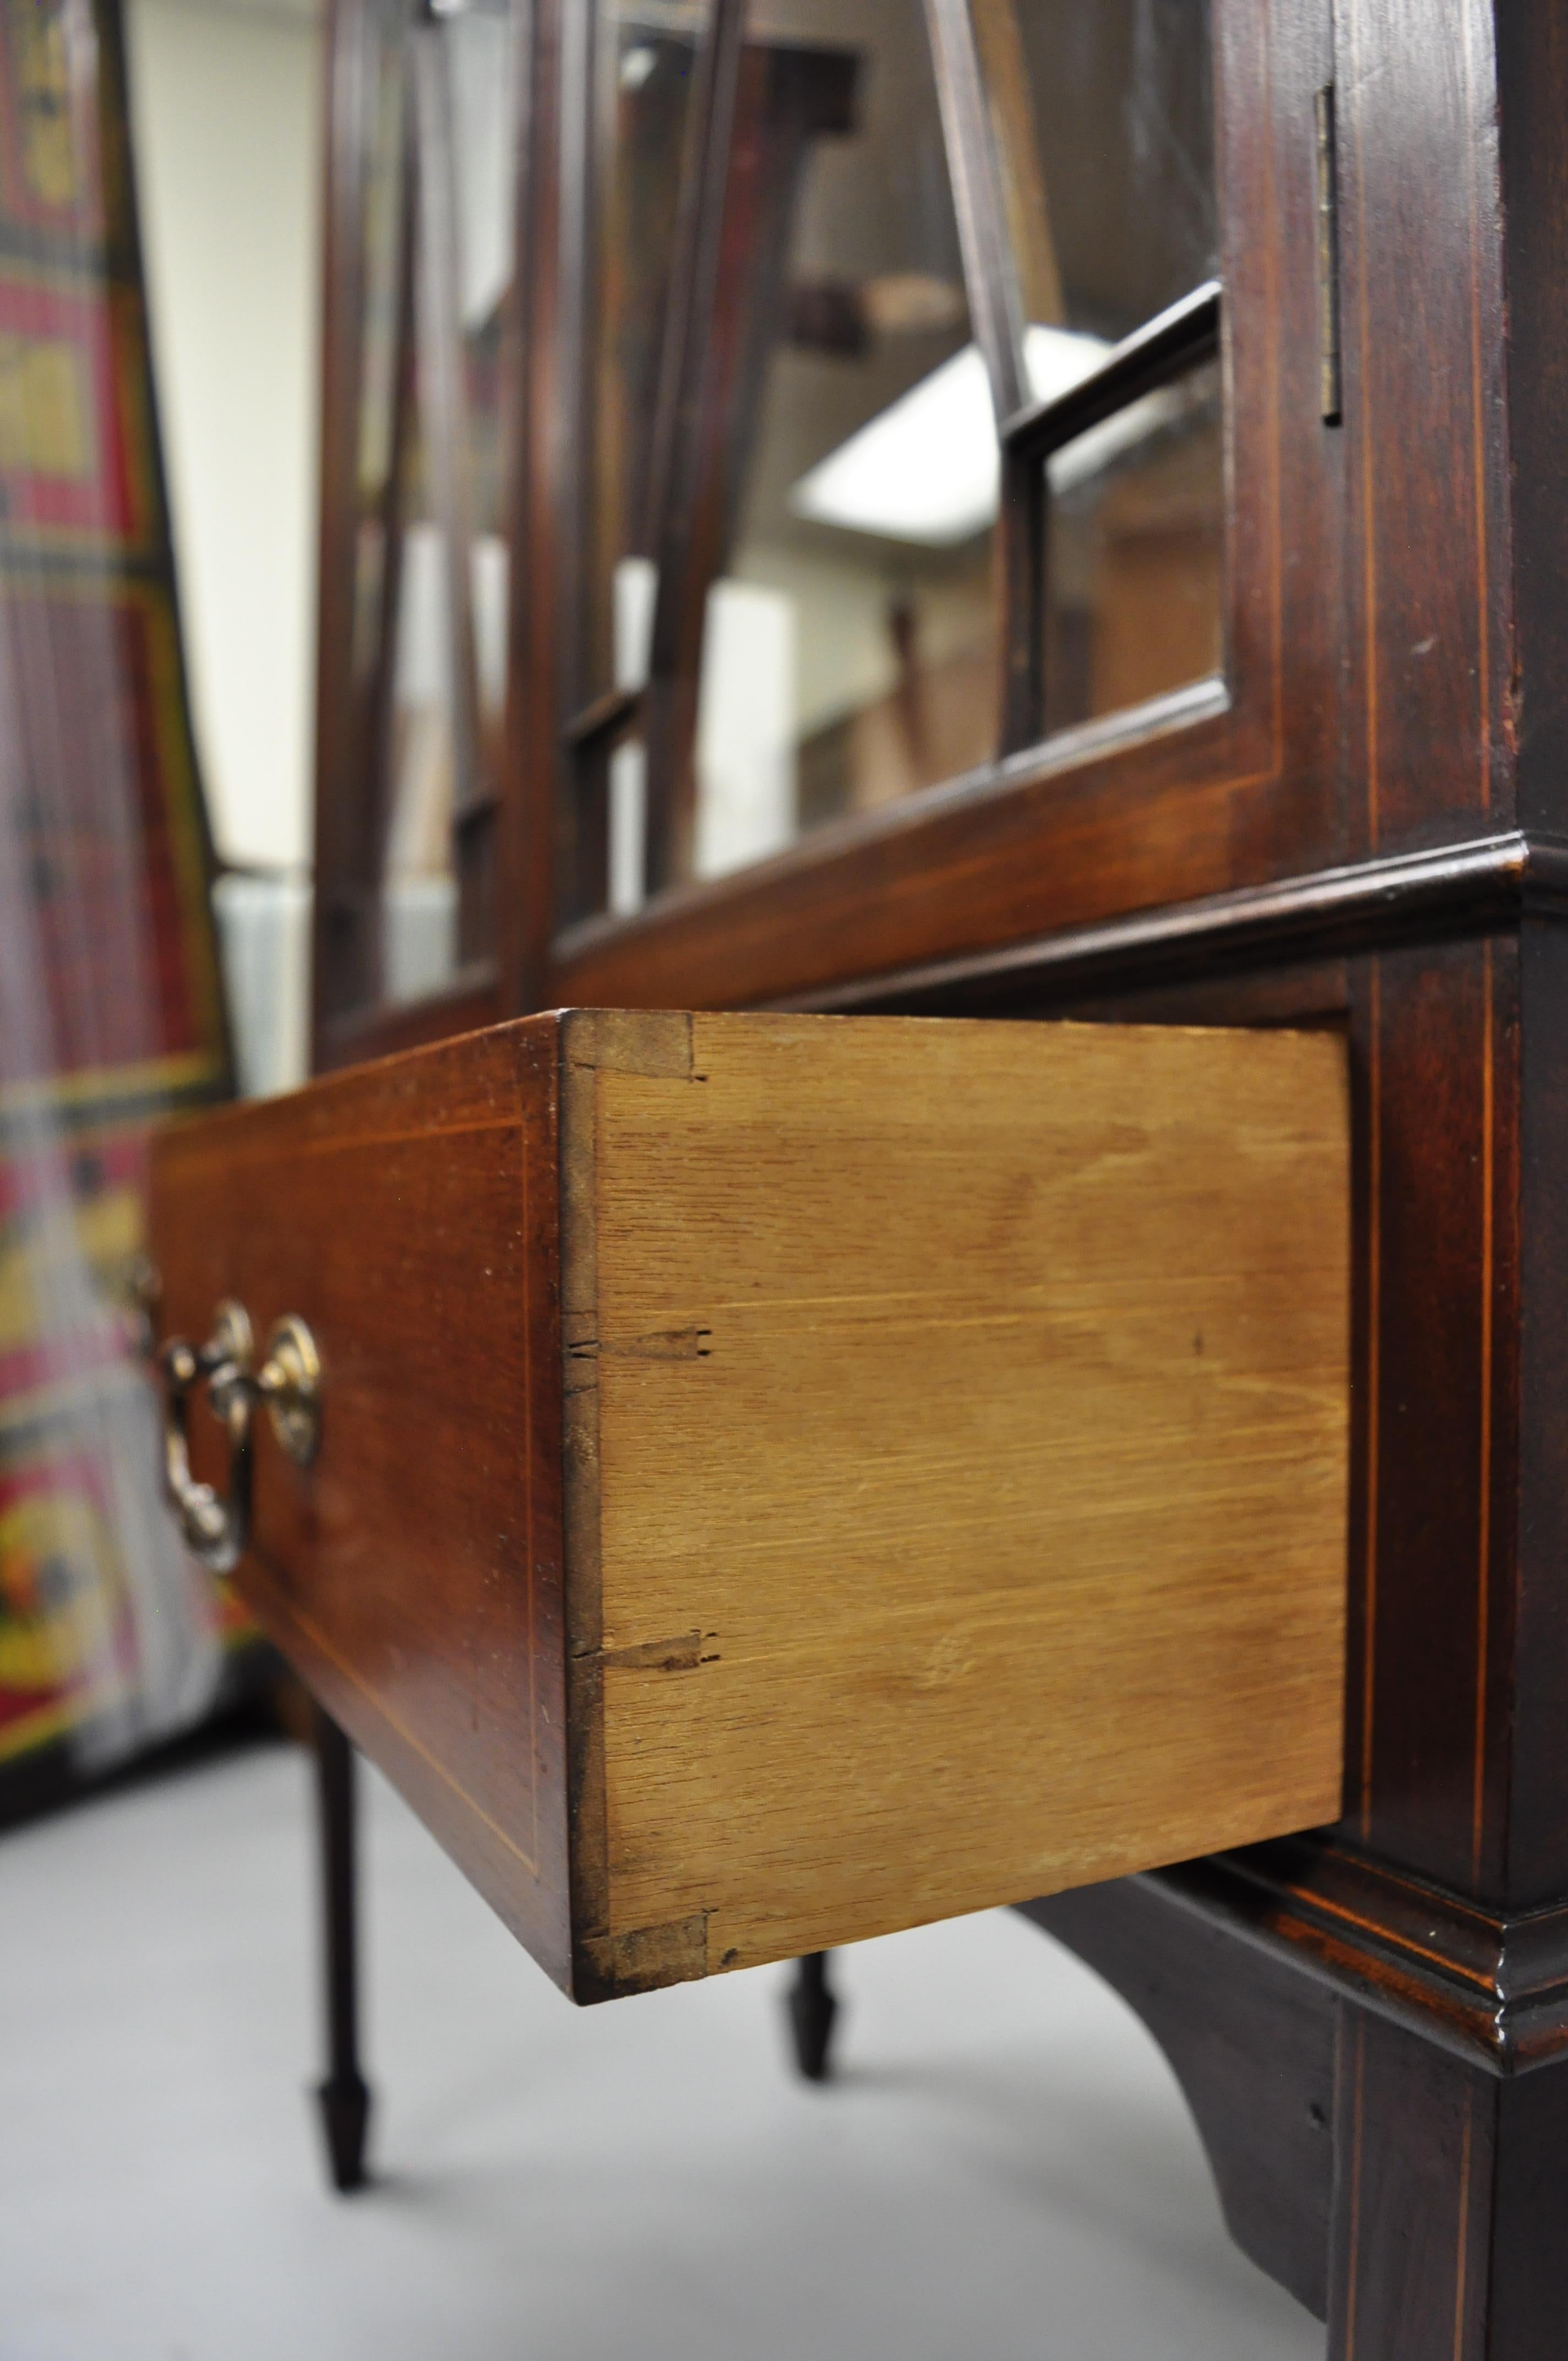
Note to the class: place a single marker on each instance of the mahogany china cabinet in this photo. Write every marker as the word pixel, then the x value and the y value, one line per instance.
pixel 1020 510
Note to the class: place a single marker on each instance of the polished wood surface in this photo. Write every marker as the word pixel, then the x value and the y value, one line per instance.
pixel 1447 2233
pixel 1253 2042
pixel 413 1574
pixel 934 1493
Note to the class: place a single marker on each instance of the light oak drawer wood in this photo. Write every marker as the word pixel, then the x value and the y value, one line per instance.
pixel 786 1478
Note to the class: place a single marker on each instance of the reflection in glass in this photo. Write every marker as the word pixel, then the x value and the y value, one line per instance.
pixel 850 651
pixel 635 583
pixel 1135 554
pixel 449 616
pixel 1103 118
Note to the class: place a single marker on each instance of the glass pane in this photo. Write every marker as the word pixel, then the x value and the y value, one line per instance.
pixel 1135 554
pixel 448 638
pixel 1103 122
pixel 850 653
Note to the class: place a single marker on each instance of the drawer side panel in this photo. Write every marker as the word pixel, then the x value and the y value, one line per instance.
pixel 972 1457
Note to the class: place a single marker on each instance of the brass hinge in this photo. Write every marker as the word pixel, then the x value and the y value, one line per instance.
pixel 1327 257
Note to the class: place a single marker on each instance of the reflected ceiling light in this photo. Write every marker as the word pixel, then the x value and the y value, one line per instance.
pixel 926 468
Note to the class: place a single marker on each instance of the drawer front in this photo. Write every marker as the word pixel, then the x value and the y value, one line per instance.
pixel 785 1478
pixel 412 1571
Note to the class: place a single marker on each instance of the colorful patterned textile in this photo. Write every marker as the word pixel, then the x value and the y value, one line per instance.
pixel 109 1008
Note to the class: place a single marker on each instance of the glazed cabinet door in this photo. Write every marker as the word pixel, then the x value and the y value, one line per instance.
pixel 934 494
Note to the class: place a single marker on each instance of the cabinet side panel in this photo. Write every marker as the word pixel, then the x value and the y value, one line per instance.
pixel 412 1574
pixel 973 1418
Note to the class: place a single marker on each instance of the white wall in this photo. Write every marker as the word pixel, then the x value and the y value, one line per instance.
pixel 225 112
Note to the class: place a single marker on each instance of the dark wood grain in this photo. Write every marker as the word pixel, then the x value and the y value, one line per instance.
pixel 1427 595
pixel 1490 1988
pixel 1437 1572
pixel 381 1029
pixel 537 859
pixel 413 1574
pixel 996 309
pixel 1251 2043
pixel 1532 91
pixel 342 972
pixel 769 102
pixel 357 604
pixel 1439 1912
pixel 1162 349
pixel 1460 891
pixel 1530 1753
pixel 1447 2240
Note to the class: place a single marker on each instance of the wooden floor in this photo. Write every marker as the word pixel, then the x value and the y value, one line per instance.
pixel 1004 2171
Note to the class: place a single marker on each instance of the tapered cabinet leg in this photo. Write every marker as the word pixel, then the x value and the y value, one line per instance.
pixel 344 2097
pixel 812 2005
pixel 1450 2238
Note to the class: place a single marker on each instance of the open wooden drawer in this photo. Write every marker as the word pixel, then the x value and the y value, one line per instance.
pixel 785 1478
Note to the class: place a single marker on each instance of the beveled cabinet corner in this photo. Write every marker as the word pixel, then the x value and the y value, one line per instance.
pixel 785 1478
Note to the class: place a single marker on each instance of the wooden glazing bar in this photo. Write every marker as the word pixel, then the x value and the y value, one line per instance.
pixel 683 458
pixel 1025 557
pixel 582 813
pixel 991 275
pixel 1167 346
pixel 446 434
pixel 606 717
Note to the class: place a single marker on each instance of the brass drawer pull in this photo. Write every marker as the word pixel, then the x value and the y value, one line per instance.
pixel 288 1382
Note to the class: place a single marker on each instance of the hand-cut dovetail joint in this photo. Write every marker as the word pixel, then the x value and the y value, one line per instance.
pixel 655 1045
pixel 606 1967
pixel 665 1344
pixel 656 1344
pixel 683 1653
